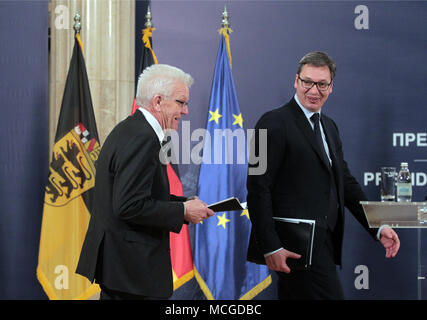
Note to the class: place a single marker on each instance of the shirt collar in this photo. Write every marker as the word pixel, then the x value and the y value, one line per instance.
pixel 153 123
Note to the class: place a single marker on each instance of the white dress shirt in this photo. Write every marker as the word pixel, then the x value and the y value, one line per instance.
pixel 153 123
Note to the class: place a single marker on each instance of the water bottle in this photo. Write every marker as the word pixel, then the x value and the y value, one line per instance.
pixel 404 184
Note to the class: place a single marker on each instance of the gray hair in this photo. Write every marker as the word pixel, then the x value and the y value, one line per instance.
pixel 159 79
pixel 318 59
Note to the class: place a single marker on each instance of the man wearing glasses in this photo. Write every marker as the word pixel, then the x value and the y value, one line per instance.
pixel 126 249
pixel 307 178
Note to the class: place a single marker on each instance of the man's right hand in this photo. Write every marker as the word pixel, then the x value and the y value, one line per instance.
pixel 196 211
pixel 277 260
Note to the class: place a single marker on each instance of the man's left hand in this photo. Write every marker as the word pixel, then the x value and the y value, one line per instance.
pixel 390 241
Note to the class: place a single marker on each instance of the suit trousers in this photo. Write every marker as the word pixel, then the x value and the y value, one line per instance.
pixel 108 294
pixel 320 282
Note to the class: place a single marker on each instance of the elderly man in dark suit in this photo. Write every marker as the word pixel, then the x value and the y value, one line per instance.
pixel 126 249
pixel 307 178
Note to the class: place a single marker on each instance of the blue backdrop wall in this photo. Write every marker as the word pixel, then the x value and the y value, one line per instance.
pixel 24 143
pixel 377 100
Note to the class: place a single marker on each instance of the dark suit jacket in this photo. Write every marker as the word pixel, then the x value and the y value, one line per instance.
pixel 297 181
pixel 127 243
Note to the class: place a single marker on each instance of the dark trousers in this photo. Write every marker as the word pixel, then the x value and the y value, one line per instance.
pixel 108 294
pixel 321 282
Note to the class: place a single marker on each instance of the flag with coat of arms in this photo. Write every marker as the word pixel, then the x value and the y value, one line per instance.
pixel 69 188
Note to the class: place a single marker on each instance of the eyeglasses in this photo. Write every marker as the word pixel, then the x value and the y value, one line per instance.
pixel 308 84
pixel 182 103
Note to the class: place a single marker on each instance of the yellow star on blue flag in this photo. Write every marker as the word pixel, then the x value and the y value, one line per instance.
pixel 245 213
pixel 215 116
pixel 222 220
pixel 238 120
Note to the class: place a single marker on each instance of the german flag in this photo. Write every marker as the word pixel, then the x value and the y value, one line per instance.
pixel 69 189
pixel 181 258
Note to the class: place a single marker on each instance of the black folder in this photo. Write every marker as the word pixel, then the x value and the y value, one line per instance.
pixel 229 204
pixel 296 235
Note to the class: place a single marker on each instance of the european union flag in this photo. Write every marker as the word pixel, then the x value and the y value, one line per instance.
pixel 221 242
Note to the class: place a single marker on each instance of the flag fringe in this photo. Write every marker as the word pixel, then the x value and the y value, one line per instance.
pixel 225 32
pixel 50 292
pixel 257 289
pixel 46 285
pixel 79 40
pixel 247 296
pixel 89 292
pixel 203 285
pixel 183 279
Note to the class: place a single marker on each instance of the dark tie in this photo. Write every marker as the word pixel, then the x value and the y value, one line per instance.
pixel 333 200
pixel 315 118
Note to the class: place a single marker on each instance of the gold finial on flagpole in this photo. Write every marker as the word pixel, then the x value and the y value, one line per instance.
pixel 77 25
pixel 225 31
pixel 147 32
pixel 225 22
pixel 148 23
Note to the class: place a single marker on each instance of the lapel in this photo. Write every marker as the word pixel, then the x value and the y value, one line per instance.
pixel 307 131
pixel 331 139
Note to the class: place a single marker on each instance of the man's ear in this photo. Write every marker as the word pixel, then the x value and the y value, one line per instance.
pixel 296 81
pixel 157 99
